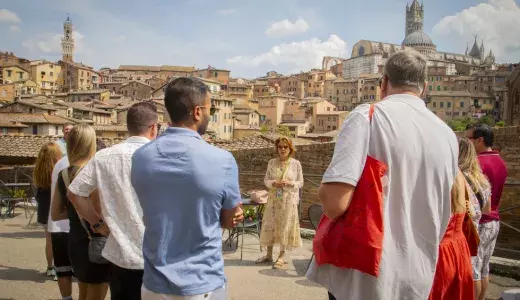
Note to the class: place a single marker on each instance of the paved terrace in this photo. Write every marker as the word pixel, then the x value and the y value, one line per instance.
pixel 22 264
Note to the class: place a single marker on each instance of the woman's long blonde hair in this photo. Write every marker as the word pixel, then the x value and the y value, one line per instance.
pixel 81 144
pixel 469 165
pixel 48 156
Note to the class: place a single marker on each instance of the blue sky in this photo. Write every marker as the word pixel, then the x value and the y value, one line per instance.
pixel 247 37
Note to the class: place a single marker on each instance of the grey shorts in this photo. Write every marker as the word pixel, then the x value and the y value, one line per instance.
pixel 488 233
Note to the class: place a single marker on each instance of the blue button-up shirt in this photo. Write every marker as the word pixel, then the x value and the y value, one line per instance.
pixel 183 183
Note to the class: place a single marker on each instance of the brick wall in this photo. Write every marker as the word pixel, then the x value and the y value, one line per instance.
pixel 315 159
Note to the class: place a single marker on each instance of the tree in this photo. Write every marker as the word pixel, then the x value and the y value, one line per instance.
pixel 283 130
pixel 264 129
pixel 500 124
pixel 487 119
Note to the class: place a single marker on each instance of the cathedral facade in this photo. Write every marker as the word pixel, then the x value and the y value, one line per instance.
pixel 367 56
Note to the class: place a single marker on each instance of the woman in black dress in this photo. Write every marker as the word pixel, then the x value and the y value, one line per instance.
pixel 47 157
pixel 92 278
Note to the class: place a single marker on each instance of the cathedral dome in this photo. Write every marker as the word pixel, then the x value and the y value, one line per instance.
pixel 417 38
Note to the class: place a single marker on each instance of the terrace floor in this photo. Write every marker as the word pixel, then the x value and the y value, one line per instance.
pixel 22 264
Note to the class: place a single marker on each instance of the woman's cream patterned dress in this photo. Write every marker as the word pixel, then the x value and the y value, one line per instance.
pixel 280 224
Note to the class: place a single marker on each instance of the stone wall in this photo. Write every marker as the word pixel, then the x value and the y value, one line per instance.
pixel 315 159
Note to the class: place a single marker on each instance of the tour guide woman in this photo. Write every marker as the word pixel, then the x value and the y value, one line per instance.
pixel 280 224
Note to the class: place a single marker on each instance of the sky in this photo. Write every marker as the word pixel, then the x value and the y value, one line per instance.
pixel 247 37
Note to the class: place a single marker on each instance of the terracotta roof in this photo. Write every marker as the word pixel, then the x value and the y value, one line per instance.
pixel 165 68
pixel 82 107
pixel 332 113
pixel 23 146
pixel 88 92
pixel 29 145
pixel 11 124
pixel 15 65
pixel 140 82
pixel 32 118
pixel 115 128
pixel 32 104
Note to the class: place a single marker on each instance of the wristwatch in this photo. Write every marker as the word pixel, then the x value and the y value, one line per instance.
pixel 98 224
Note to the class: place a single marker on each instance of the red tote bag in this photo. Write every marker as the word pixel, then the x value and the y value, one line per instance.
pixel 355 240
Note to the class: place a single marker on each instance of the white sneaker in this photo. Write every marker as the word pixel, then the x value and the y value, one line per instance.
pixel 51 272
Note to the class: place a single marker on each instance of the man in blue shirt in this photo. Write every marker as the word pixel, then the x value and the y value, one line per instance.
pixel 62 142
pixel 188 190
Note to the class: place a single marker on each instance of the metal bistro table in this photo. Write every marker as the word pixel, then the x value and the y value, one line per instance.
pixel 251 227
pixel 11 202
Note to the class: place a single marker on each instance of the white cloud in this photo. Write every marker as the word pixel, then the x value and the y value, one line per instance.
pixel 9 16
pixel 295 56
pixel 120 38
pixel 14 28
pixel 226 12
pixel 496 22
pixel 286 28
pixel 51 43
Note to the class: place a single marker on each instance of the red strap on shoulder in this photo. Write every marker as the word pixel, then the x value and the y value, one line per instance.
pixel 371 112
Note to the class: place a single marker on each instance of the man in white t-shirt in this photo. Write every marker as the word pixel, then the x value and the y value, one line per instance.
pixel 421 152
pixel 60 239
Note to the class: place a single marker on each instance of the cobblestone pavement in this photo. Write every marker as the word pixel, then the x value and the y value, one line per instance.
pixel 22 264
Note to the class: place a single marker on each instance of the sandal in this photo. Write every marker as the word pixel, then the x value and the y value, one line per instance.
pixel 264 259
pixel 278 264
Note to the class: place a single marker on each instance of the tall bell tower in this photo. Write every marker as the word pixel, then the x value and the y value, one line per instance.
pixel 67 41
pixel 414 17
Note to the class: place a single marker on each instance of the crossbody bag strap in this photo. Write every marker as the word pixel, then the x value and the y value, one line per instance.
pixel 66 180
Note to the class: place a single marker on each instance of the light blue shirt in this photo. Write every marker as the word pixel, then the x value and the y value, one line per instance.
pixel 183 183
pixel 63 146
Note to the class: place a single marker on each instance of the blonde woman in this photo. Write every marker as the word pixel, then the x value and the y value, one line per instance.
pixel 48 156
pixel 280 224
pixel 480 199
pixel 92 278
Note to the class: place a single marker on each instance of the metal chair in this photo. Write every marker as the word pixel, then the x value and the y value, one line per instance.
pixel 249 227
pixel 315 212
pixel 7 200
pixel 34 190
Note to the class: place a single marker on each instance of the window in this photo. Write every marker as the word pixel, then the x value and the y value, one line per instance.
pixel 442 104
pixel 35 129
pixel 4 131
pixel 328 108
pixel 448 104
pixel 445 88
pixel 56 130
pixel 328 119
pixel 52 74
pixel 225 129
pixel 9 73
pixel 133 93
pixel 461 104
pixel 438 88
pixel 430 88
pixel 20 75
pixel 333 127
pixel 372 88
pixel 229 129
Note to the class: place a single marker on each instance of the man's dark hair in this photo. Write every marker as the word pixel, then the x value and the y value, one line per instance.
pixel 484 131
pixel 182 95
pixel 140 117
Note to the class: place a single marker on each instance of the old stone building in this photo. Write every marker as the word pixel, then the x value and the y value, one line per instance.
pixel 28 107
pixel 368 55
pixel 88 95
pixel 136 90
pixel 513 97
pixel 329 121
pixel 37 124
pixel 453 105
pixel 46 74
pixel 211 73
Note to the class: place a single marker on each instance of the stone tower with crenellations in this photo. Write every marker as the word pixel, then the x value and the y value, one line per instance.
pixel 67 41
pixel 414 17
